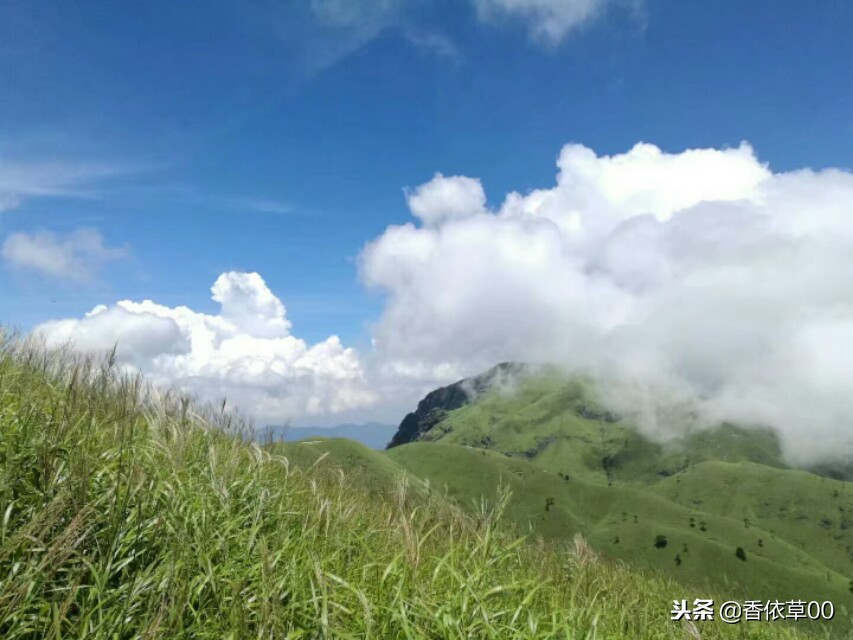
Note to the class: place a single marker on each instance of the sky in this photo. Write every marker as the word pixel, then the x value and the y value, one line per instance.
pixel 323 209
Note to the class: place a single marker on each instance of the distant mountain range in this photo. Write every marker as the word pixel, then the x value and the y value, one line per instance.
pixel 373 435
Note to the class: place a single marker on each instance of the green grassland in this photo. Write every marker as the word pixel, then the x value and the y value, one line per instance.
pixel 126 512
pixel 573 467
pixel 368 469
pixel 624 522
pixel 810 512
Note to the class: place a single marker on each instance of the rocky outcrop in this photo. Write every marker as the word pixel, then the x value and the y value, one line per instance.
pixel 435 406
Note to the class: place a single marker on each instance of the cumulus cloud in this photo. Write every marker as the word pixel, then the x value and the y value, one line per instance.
pixel 692 283
pixel 443 198
pixel 244 353
pixel 549 21
pixel 75 257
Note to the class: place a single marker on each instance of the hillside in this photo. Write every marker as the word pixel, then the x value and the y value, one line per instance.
pixel 366 468
pixel 558 423
pixel 624 522
pixel 131 513
pixel 371 434
pixel 575 467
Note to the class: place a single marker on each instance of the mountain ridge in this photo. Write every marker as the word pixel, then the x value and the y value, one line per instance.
pixel 434 406
pixel 374 435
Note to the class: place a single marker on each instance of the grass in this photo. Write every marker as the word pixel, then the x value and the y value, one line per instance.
pixel 624 521
pixel 574 468
pixel 809 512
pixel 369 469
pixel 556 422
pixel 130 513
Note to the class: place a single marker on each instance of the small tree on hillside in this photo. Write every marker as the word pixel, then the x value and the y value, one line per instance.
pixel 740 554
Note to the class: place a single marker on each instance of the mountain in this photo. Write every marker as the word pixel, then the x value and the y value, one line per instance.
pixel 434 407
pixel 717 506
pixel 373 435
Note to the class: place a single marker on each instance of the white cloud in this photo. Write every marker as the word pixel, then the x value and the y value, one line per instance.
pixel 244 353
pixel 76 257
pixel 247 302
pixel 261 205
pixel 20 181
pixel 549 21
pixel 357 13
pixel 700 278
pixel 141 335
pixel 443 198
pixel 321 33
pixel 433 42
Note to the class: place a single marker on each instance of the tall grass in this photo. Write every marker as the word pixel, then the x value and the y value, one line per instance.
pixel 129 513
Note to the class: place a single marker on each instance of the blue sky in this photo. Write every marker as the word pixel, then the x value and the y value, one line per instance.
pixel 199 138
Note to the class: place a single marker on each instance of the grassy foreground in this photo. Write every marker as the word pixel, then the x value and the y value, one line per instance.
pixel 126 513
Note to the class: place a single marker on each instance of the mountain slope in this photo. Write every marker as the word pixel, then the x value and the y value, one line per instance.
pixel 434 407
pixel 574 466
pixel 625 522
pixel 369 469
pixel 371 434
pixel 810 512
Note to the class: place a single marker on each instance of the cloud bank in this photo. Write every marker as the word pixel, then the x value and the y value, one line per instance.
pixel 245 353
pixel 76 257
pixel 698 280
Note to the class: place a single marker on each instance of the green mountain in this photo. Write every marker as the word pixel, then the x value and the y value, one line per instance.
pixel 557 423
pixel 717 507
